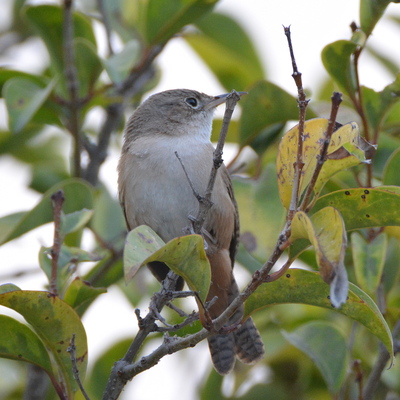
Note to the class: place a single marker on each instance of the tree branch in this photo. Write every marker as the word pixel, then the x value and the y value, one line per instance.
pixel 57 200
pixel 72 351
pixel 71 77
pixel 302 103
pixel 321 158
pixel 205 203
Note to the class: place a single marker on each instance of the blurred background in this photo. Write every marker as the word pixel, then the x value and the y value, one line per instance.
pixel 314 24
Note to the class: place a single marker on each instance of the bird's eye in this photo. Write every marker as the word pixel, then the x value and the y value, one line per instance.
pixel 192 102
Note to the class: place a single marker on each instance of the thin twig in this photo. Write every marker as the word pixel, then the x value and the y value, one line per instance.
pixel 302 103
pixel 57 201
pixel 321 158
pixel 194 190
pixel 205 203
pixel 71 77
pixel 72 352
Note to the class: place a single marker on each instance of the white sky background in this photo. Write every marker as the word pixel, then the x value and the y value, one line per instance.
pixel 314 23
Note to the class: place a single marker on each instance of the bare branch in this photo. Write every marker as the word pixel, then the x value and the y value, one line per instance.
pixel 303 103
pixel 58 200
pixel 72 352
pixel 71 76
pixel 336 100
pixel 205 203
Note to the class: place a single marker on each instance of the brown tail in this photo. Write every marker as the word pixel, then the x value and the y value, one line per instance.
pixel 245 343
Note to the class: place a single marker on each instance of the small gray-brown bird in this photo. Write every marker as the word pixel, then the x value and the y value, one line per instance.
pixel 154 191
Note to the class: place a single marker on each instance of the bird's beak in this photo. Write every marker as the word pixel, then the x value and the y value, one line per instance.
pixel 220 99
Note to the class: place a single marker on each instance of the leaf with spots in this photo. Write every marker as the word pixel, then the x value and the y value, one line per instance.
pixel 326 232
pixel 23 98
pixel 184 255
pixel 18 342
pixel 360 208
pixel 364 208
pixel 55 322
pixel 305 287
pixel 346 149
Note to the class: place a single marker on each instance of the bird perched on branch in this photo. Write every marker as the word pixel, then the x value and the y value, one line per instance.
pixel 154 190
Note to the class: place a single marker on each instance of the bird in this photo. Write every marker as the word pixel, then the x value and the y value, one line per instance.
pixel 154 191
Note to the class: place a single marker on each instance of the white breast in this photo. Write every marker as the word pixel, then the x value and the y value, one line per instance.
pixel 164 199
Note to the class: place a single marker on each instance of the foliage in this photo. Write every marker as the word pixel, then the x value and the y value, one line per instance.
pixel 342 198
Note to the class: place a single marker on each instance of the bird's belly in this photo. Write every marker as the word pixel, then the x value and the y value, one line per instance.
pixel 165 200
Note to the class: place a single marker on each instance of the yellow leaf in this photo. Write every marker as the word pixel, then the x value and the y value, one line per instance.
pixel 326 232
pixel 346 149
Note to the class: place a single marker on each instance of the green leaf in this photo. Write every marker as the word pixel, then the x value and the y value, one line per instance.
pixel 227 50
pixel 119 65
pixel 369 260
pixel 326 346
pixel 18 342
pixel 378 104
pixel 164 18
pixel 68 256
pixel 77 193
pixel 88 64
pixel 7 74
pixel 80 292
pixel 364 208
pixel 23 99
pixel 336 58
pixel 391 174
pixel 184 255
pixel 49 18
pixel 8 287
pixel 265 105
pixel 371 12
pixel 305 287
pixel 55 322
pixel 108 221
pixel 74 221
pixel 326 232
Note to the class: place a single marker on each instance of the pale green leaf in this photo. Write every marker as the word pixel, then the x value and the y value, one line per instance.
pixel 336 58
pixel 77 193
pixel 74 221
pixel 369 260
pixel 326 346
pixel 184 255
pixel 23 99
